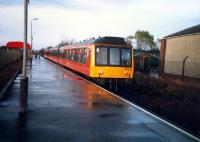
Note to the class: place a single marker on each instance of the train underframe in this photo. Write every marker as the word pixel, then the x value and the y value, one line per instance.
pixel 113 84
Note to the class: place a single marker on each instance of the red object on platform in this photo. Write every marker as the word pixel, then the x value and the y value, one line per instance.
pixel 17 44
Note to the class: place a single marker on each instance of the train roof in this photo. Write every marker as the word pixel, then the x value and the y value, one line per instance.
pixel 105 40
pixel 17 44
pixel 108 40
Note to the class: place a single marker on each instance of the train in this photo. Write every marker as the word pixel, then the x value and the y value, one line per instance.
pixel 104 59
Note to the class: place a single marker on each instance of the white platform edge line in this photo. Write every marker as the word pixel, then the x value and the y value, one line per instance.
pixel 153 115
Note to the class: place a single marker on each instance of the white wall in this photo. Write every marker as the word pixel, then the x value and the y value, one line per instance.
pixel 177 49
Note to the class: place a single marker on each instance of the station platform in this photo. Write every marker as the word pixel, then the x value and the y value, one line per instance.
pixel 64 107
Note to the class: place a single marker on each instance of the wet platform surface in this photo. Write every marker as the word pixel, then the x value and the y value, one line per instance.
pixel 63 107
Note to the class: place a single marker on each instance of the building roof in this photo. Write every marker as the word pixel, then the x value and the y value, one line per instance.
pixel 17 44
pixel 188 31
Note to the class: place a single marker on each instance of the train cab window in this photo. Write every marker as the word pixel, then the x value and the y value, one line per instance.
pixel 101 56
pixel 126 57
pixel 114 56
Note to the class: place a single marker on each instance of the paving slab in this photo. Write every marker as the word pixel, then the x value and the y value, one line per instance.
pixel 63 107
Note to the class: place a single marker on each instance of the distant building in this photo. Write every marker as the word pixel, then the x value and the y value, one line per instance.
pixel 177 47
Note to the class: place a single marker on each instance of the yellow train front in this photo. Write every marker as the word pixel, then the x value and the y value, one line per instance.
pixel 111 57
pixel 103 59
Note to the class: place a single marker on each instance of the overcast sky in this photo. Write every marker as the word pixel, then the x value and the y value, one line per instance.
pixel 81 19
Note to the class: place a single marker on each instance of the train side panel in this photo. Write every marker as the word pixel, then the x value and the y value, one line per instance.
pixel 76 66
pixel 79 67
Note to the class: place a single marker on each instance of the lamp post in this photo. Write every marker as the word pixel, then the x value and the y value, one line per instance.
pixel 34 19
pixel 24 79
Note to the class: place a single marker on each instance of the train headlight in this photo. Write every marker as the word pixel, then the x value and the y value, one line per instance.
pixel 101 72
pixel 125 73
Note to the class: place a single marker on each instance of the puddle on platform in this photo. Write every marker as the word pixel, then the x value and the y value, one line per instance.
pixel 96 104
pixel 57 77
pixel 107 115
pixel 91 103
pixel 78 96
pixel 74 90
pixel 70 77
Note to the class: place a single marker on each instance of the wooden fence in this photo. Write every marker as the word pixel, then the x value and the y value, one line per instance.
pixel 8 55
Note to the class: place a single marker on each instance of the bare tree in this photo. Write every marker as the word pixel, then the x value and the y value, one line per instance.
pixel 143 39
pixel 66 42
pixel 49 47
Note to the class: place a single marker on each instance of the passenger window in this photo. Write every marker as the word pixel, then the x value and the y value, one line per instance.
pixel 101 56
pixel 126 57
pixel 78 56
pixel 114 56
pixel 66 54
pixel 72 55
pixel 83 57
pixel 61 53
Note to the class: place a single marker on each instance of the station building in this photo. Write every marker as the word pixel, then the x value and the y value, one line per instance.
pixel 179 47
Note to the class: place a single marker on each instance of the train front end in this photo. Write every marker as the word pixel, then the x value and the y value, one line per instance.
pixel 112 58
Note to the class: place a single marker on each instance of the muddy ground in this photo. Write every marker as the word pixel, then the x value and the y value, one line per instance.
pixel 173 99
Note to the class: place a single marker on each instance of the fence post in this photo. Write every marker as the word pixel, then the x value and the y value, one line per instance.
pixel 183 67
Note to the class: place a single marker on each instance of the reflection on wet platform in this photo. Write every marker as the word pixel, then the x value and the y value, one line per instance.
pixel 64 107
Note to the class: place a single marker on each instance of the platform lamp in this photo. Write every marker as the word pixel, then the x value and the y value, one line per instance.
pixel 34 19
pixel 24 79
